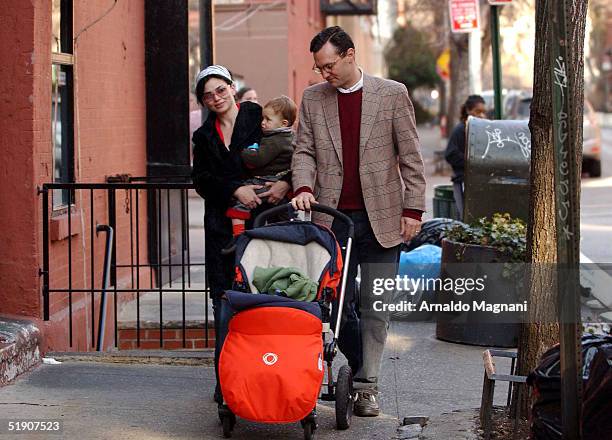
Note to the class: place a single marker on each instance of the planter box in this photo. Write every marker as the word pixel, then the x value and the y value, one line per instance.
pixel 467 261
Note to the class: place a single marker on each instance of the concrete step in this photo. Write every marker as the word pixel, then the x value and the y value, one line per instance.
pixel 20 344
pixel 158 357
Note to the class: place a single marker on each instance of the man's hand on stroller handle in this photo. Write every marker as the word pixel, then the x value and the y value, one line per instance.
pixel 303 201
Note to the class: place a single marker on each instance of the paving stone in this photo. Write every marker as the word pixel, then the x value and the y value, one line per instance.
pixel 409 431
pixel 420 420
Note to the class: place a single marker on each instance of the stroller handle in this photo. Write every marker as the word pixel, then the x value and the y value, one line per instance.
pixel 260 220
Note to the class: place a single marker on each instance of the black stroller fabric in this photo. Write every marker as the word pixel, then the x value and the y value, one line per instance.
pixel 546 380
pixel 240 301
pixel 597 402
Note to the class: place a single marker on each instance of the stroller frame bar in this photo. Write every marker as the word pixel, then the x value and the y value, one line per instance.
pixel 345 268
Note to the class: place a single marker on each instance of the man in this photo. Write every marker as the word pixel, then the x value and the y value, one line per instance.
pixel 357 150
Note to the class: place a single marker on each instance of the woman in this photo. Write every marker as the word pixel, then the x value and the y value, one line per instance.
pixel 455 149
pixel 217 175
pixel 247 94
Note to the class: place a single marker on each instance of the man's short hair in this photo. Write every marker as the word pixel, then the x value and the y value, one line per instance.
pixel 336 36
pixel 284 106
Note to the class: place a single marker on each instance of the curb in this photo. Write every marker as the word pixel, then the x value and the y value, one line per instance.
pixel 205 357
pixel 20 342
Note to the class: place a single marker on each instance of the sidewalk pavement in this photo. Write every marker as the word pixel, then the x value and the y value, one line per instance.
pixel 96 399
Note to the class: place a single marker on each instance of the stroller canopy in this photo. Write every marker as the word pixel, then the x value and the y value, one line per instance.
pixel 307 246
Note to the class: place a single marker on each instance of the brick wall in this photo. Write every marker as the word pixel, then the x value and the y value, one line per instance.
pixel 195 338
pixel 110 138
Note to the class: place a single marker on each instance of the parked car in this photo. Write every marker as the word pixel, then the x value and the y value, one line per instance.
pixel 509 98
pixel 516 104
pixel 518 107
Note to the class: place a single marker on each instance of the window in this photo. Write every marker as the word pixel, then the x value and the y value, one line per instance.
pixel 62 96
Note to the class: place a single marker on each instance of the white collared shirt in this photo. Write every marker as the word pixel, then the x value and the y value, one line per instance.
pixel 358 85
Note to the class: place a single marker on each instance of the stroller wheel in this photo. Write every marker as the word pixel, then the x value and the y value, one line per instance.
pixel 228 420
pixel 309 430
pixel 228 425
pixel 344 398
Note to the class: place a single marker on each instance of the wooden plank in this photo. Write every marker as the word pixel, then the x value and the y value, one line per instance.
pixel 503 353
pixel 486 406
pixel 509 378
pixel 489 365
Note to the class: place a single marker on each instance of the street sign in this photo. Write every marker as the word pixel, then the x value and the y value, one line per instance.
pixel 500 2
pixel 464 15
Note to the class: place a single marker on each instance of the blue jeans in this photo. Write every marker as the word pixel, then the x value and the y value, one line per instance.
pixel 363 332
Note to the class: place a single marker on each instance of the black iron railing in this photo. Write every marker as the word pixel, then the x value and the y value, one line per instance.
pixel 164 265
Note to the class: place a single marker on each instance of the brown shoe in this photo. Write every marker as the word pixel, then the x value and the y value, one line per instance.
pixel 366 404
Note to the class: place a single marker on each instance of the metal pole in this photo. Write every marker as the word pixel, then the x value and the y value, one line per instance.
pixel 105 274
pixel 497 79
pixel 45 268
pixel 567 219
pixel 207 43
pixel 206 33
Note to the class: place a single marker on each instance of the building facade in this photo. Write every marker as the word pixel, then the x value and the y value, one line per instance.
pixel 266 42
pixel 81 100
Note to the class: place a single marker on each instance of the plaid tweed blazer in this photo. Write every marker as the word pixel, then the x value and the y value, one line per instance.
pixel 390 163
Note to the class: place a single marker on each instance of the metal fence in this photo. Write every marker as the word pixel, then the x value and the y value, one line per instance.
pixel 149 253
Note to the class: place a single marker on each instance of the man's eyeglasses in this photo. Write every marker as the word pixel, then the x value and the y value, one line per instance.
pixel 328 67
pixel 221 91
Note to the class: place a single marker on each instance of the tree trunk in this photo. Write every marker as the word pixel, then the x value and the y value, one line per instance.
pixel 460 76
pixel 485 27
pixel 541 329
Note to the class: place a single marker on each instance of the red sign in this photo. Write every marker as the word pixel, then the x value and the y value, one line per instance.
pixel 500 2
pixel 464 15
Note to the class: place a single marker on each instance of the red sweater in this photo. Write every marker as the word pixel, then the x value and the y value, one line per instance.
pixel 349 112
pixel 351 197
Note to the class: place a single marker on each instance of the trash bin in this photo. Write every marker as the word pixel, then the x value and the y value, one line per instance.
pixel 444 202
pixel 497 164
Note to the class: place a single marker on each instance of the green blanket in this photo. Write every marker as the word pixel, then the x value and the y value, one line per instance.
pixel 288 281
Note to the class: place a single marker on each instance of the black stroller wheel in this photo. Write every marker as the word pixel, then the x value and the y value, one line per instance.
pixel 309 430
pixel 228 425
pixel 344 398
pixel 228 420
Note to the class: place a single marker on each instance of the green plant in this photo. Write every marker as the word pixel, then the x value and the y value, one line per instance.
pixel 502 232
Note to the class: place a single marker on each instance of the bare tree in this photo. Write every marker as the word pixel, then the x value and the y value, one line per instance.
pixel 460 75
pixel 600 12
pixel 541 329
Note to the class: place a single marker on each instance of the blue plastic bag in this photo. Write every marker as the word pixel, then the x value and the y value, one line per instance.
pixel 424 263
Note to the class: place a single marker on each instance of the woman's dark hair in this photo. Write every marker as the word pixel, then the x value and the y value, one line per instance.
pixel 336 36
pixel 242 91
pixel 199 91
pixel 469 104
